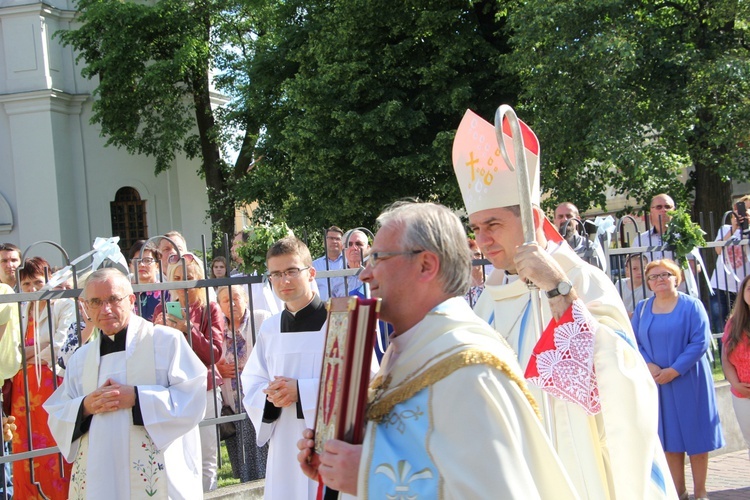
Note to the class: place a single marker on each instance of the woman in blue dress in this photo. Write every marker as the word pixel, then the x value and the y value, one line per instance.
pixel 673 335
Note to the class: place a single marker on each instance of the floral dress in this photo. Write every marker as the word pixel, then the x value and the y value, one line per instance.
pixel 146 302
pixel 70 345
pixel 53 482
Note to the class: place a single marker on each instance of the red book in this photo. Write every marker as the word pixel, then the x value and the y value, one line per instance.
pixel 345 375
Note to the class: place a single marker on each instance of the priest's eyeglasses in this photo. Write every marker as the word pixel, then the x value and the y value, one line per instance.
pixel 661 276
pixel 375 257
pixel 99 303
pixel 291 273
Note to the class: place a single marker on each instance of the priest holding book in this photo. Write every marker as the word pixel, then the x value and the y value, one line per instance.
pixel 449 414
pixel 280 380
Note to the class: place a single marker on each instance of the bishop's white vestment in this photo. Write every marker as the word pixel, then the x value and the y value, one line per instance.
pixel 171 407
pixel 603 400
pixel 450 417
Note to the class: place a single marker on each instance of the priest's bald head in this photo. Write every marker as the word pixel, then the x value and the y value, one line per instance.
pixel 419 258
pixel 108 297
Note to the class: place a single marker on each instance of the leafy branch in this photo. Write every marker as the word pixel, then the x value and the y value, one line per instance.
pixel 683 235
pixel 259 240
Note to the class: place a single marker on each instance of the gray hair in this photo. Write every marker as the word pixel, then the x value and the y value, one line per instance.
pixel 109 274
pixel 434 228
pixel 240 289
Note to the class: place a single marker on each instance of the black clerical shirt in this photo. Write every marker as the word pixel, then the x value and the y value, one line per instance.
pixel 107 345
pixel 310 318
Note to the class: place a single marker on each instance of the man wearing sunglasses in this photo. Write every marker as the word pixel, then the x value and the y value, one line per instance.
pixel 357 249
pixel 280 380
pixel 659 219
pixel 169 246
pixel 654 237
pixel 128 410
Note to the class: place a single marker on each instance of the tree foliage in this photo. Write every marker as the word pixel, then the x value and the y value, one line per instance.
pixel 340 107
pixel 624 93
pixel 363 98
pixel 152 60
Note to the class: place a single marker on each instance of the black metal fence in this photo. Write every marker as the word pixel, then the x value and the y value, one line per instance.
pixel 731 250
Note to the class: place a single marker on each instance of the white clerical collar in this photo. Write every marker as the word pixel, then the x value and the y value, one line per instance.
pixel 400 341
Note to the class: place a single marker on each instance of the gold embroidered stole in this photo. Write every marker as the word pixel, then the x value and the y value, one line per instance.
pixel 441 347
pixel 147 471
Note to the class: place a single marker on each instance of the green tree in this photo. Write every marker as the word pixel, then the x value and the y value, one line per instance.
pixel 625 93
pixel 364 101
pixel 154 97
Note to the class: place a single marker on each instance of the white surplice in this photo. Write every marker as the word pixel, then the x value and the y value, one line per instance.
pixel 171 408
pixel 297 355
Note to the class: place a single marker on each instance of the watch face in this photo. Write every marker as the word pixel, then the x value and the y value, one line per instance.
pixel 564 288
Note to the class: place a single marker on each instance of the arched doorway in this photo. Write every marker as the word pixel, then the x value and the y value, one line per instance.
pixel 128 213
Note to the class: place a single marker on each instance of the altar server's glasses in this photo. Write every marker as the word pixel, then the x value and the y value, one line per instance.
pixel 291 273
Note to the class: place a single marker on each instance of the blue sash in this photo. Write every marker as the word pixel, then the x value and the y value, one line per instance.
pixel 401 466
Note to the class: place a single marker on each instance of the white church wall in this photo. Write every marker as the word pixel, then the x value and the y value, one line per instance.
pixel 56 175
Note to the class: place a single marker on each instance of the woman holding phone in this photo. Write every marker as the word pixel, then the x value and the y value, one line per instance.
pixel 732 265
pixel 205 332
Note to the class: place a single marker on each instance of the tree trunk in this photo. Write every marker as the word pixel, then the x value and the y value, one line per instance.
pixel 713 195
pixel 221 204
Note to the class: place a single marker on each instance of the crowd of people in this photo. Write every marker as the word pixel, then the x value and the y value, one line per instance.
pixel 592 390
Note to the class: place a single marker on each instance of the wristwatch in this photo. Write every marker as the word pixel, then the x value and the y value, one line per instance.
pixel 562 288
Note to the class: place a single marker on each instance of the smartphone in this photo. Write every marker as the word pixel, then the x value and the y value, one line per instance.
pixel 742 215
pixel 174 309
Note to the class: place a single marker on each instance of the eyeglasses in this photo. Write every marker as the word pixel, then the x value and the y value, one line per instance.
pixel 291 273
pixel 356 243
pixel 661 276
pixel 174 258
pixel 98 303
pixel 662 207
pixel 146 262
pixel 374 257
pixel 333 238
